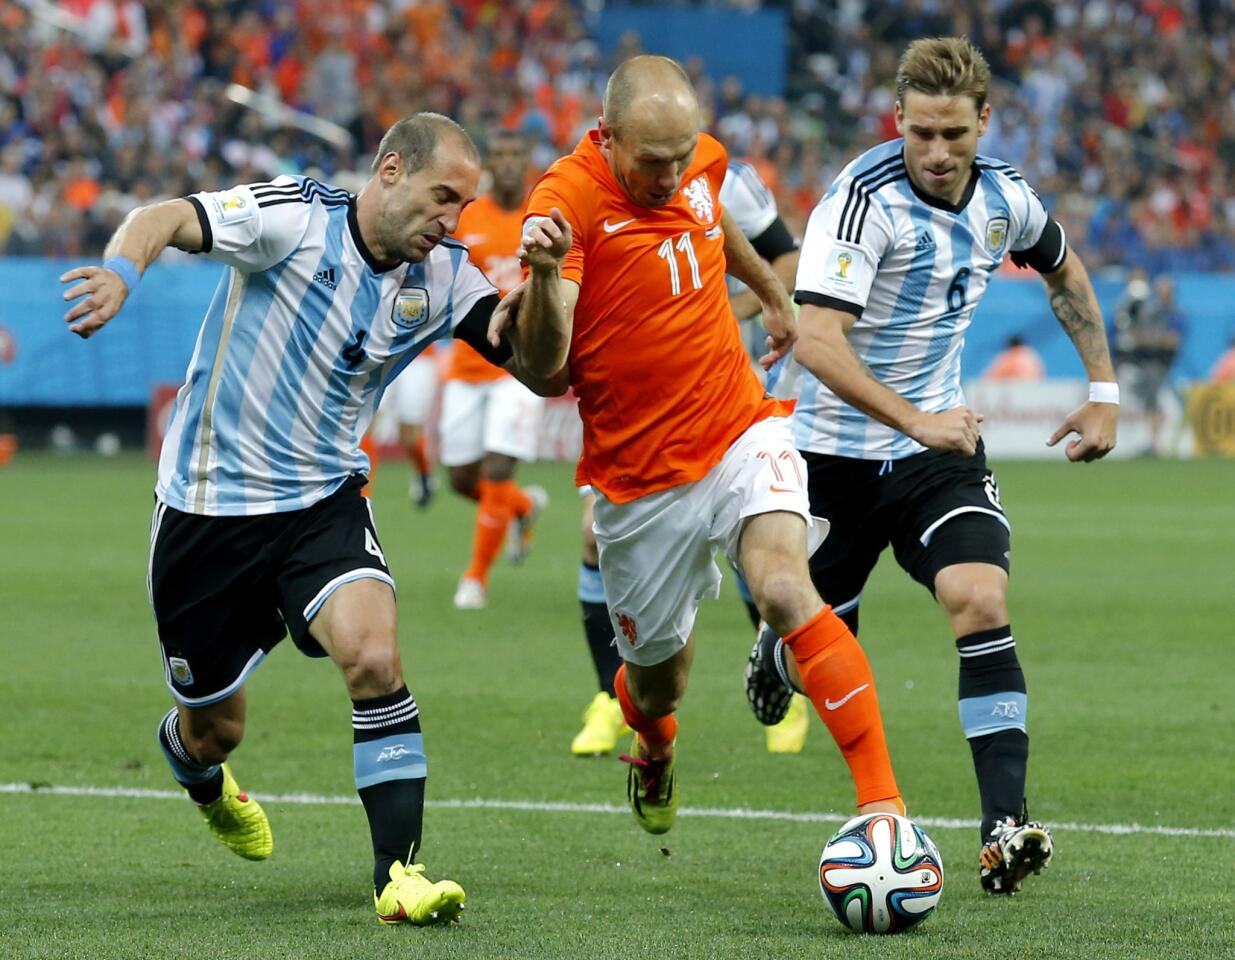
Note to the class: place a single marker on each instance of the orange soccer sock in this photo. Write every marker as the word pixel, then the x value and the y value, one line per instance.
pixel 420 456
pixel 493 516
pixel 837 677
pixel 655 733
pixel 520 502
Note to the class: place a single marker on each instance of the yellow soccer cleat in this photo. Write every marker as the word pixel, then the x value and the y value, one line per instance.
pixel 603 726
pixel 410 897
pixel 239 821
pixel 651 787
pixel 789 735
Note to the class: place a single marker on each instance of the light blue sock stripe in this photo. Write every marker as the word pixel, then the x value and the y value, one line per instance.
pixel 591 586
pixel 990 714
pixel 400 756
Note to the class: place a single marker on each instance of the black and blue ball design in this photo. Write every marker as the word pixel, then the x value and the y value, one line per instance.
pixel 881 873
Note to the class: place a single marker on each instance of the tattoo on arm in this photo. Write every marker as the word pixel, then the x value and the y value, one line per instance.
pixel 1081 320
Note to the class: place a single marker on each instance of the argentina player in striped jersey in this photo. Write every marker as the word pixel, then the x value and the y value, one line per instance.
pixel 896 256
pixel 259 526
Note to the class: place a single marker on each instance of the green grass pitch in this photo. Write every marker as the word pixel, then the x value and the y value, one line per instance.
pixel 1122 597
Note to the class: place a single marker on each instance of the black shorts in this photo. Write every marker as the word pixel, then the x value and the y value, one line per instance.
pixel 934 508
pixel 226 590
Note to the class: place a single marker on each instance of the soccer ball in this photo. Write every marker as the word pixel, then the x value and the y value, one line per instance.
pixel 881 873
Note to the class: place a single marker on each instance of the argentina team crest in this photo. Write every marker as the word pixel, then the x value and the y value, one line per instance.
pixel 411 307
pixel 180 671
pixel 996 235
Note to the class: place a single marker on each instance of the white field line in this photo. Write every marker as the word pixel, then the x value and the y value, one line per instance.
pixel 733 813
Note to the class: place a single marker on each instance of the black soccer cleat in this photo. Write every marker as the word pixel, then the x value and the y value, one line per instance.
pixel 766 692
pixel 1016 849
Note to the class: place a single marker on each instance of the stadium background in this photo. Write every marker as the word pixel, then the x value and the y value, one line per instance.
pixel 1122 114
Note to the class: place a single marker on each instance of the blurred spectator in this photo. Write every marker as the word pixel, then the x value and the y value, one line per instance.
pixel 1148 328
pixel 1224 368
pixel 1016 361
pixel 1121 111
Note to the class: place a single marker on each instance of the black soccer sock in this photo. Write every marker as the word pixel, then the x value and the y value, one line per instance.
pixel 203 781
pixel 599 630
pixel 993 711
pixel 388 753
pixel 772 651
pixel 597 627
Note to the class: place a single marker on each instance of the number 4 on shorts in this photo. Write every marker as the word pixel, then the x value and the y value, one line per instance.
pixel 370 545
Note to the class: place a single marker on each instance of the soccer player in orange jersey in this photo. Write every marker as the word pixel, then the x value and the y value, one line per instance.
pixel 490 421
pixel 628 246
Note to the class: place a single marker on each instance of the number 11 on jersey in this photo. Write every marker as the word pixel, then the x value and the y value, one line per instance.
pixel 665 252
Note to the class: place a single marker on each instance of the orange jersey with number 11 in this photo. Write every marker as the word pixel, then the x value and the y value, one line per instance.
pixel 492 236
pixel 663 381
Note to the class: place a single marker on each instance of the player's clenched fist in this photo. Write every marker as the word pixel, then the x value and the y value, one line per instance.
pixel 105 292
pixel 956 430
pixel 545 241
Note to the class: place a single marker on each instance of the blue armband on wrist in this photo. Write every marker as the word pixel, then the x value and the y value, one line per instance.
pixel 126 268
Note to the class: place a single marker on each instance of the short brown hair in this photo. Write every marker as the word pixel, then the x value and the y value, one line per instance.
pixel 943 66
pixel 415 139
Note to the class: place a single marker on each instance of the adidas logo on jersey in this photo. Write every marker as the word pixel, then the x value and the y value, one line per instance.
pixel 326 278
pixel 926 241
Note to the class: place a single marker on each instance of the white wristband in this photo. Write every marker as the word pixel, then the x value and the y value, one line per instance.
pixel 1104 391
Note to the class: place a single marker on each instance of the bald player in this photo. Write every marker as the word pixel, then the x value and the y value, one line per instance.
pixel 627 246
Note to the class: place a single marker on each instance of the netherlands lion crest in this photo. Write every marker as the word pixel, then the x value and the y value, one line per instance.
pixel 699 196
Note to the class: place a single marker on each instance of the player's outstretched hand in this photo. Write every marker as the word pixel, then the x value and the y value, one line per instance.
pixel 955 430
pixel 546 241
pixel 505 314
pixel 1096 423
pixel 104 291
pixel 781 322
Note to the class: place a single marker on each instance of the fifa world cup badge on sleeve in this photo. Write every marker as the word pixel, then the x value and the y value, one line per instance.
pixel 231 207
pixel 846 269
pixel 411 307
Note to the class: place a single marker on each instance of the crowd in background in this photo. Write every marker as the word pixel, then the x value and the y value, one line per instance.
pixel 1120 112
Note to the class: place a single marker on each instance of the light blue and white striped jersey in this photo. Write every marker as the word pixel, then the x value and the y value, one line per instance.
pixel 913 269
pixel 300 340
pixel 747 199
pixel 751 205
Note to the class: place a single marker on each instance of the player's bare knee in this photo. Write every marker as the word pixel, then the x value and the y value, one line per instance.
pixel 371 669
pixel 785 598
pixel 981 605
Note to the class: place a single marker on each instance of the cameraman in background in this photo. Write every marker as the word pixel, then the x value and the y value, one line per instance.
pixel 1148 328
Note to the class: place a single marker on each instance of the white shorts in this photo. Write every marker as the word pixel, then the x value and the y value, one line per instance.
pixel 414 389
pixel 658 553
pixel 501 416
